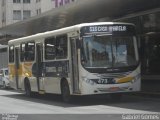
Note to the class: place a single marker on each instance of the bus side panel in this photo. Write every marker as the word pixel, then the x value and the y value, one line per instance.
pixel 12 76
pixel 55 71
pixel 52 85
pixel 29 74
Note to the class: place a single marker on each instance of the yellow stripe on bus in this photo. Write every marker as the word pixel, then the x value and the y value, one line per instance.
pixel 27 69
pixel 24 70
pixel 12 69
pixel 125 79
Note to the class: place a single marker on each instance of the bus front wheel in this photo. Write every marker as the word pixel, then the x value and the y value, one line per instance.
pixel 65 91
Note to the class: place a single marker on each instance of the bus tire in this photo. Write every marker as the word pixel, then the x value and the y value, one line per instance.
pixel 116 96
pixel 65 92
pixel 27 86
pixel 4 85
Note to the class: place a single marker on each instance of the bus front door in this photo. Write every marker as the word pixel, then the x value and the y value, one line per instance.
pixel 74 64
pixel 39 60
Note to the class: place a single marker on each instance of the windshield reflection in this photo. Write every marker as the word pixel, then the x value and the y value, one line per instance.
pixel 109 51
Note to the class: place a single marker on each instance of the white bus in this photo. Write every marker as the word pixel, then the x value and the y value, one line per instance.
pixel 85 59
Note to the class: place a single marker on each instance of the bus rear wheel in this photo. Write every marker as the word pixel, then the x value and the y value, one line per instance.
pixel 28 89
pixel 65 91
pixel 4 85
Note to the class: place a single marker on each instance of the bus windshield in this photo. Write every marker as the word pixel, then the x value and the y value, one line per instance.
pixel 108 51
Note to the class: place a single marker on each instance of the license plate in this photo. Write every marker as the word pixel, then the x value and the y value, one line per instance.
pixel 114 88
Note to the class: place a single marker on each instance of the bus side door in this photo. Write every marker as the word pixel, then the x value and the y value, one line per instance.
pixel 39 67
pixel 74 64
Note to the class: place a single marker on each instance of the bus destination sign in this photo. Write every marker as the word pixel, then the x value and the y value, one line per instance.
pixel 107 28
pixel 110 29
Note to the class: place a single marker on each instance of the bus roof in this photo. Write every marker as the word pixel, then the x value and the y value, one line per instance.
pixel 64 30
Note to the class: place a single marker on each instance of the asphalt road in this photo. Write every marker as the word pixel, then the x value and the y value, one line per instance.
pixel 50 107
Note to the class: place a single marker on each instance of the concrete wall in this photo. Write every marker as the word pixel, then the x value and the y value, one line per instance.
pixel 3 56
pixel 8 8
pixel 36 8
pixel 0 13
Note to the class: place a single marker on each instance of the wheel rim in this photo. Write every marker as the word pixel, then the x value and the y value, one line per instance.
pixel 65 92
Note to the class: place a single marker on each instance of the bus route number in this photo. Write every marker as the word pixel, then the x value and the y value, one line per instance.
pixel 98 29
pixel 116 28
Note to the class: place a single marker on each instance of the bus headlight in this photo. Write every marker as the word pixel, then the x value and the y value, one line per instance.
pixel 136 78
pixel 89 81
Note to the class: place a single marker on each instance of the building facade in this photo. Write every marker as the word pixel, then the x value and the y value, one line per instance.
pixel 42 6
pixel 59 3
pixel 16 10
pixel 12 11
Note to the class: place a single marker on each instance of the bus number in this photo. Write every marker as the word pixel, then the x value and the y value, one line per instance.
pixel 103 81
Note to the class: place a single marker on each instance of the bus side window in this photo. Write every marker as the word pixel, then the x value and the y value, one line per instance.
pixel 50 50
pixel 11 54
pixel 61 47
pixel 22 54
pixel 29 51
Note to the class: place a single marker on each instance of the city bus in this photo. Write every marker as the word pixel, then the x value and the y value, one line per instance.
pixel 84 59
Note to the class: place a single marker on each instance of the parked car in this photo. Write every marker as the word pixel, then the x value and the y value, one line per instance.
pixel 4 78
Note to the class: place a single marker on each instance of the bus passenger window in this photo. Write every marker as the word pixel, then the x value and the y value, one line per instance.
pixel 50 48
pixel 61 47
pixel 11 54
pixel 22 54
pixel 29 51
